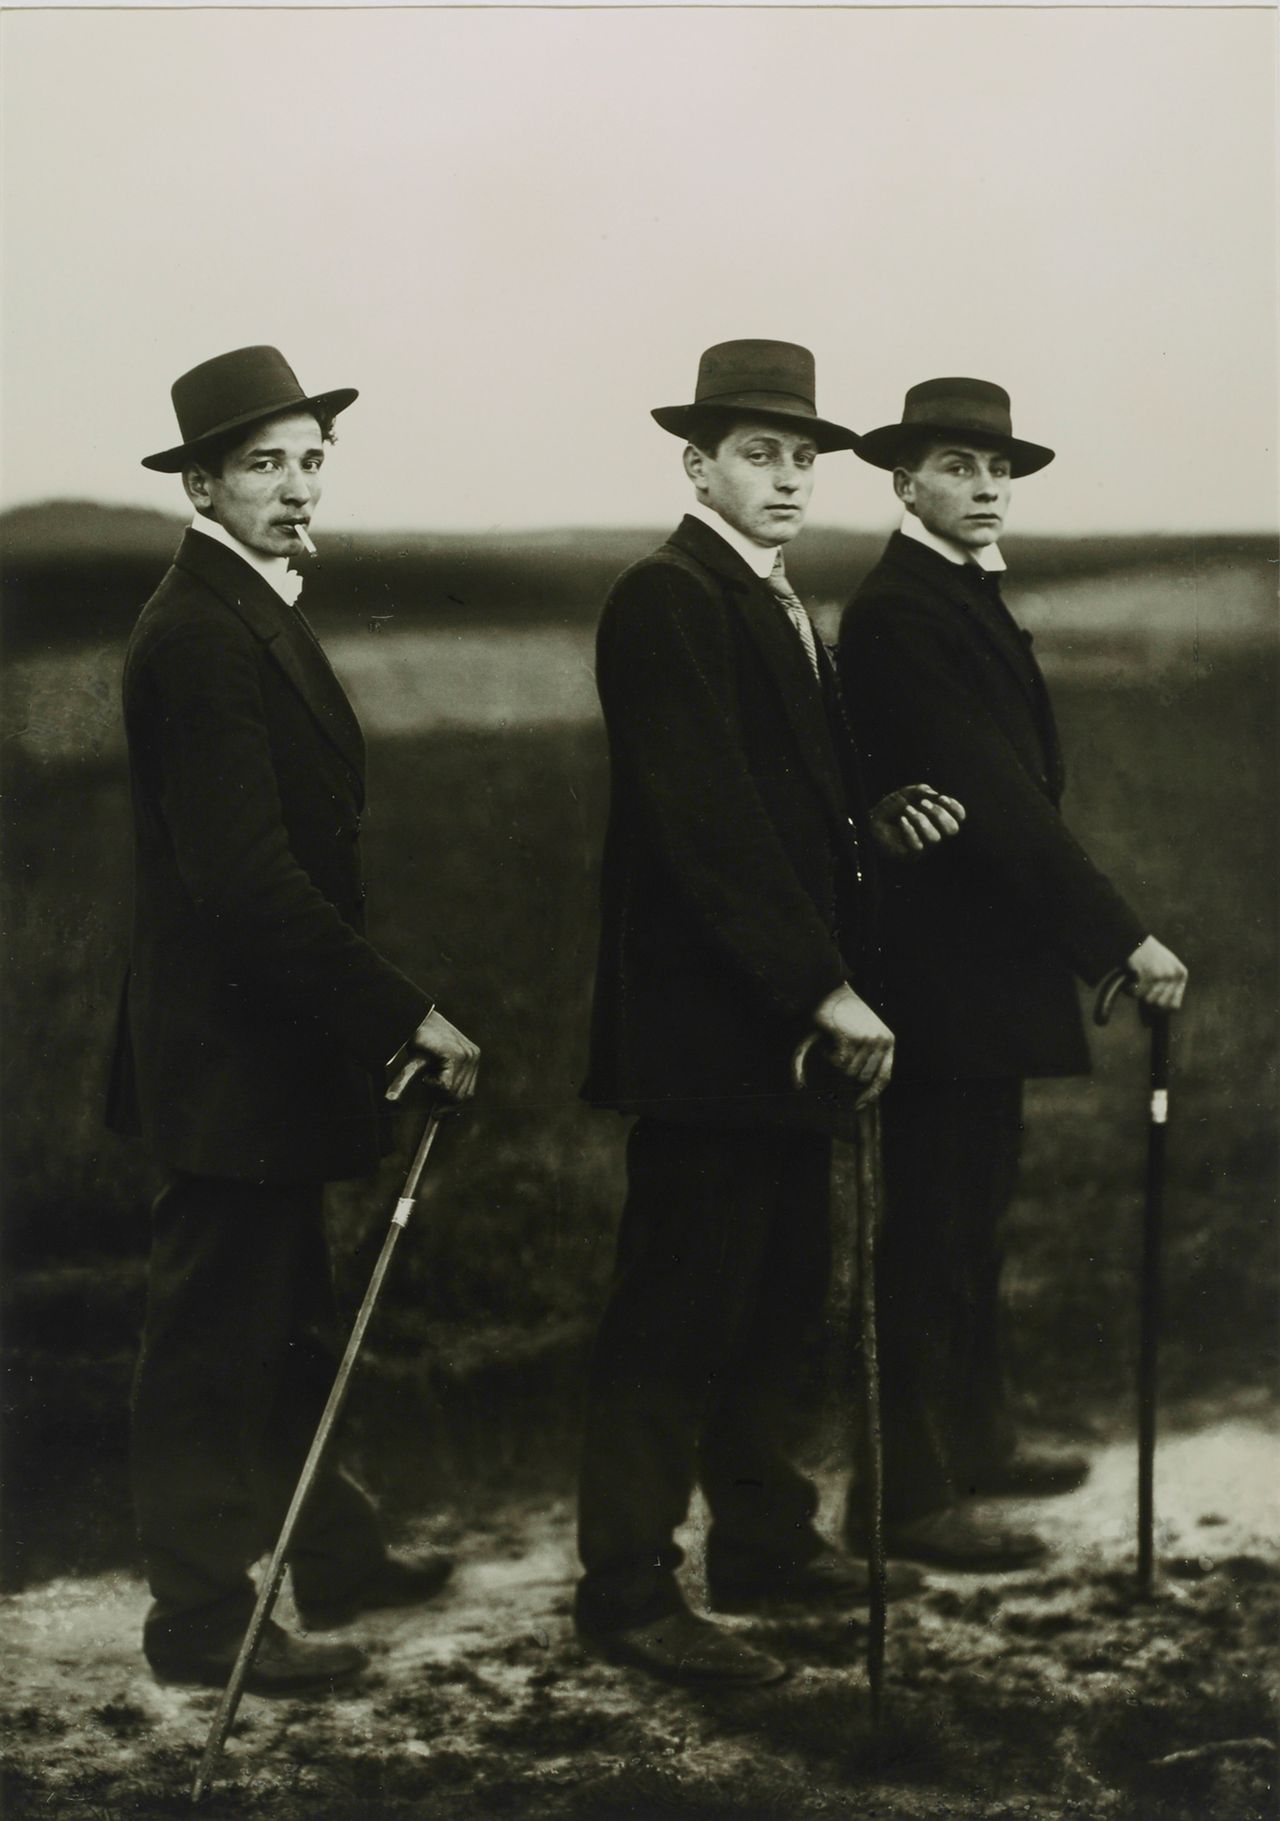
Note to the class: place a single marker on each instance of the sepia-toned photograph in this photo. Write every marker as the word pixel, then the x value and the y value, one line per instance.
pixel 638 1119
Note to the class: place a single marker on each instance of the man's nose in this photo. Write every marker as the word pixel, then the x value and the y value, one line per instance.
pixel 786 477
pixel 296 486
pixel 987 487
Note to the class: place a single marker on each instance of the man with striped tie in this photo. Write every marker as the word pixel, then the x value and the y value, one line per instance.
pixel 737 907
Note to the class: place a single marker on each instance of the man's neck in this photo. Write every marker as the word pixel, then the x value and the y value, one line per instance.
pixel 986 556
pixel 759 558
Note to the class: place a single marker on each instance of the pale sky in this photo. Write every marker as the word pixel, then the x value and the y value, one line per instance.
pixel 516 230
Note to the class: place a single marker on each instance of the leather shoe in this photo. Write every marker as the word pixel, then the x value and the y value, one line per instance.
pixel 282 1665
pixel 690 1651
pixel 1032 1473
pixel 828 1578
pixel 957 1537
pixel 396 1581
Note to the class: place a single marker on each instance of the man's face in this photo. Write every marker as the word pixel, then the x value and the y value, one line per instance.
pixel 958 492
pixel 268 483
pixel 759 480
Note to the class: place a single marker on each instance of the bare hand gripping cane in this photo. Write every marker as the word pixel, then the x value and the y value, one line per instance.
pixel 270 1587
pixel 870 1210
pixel 1157 1022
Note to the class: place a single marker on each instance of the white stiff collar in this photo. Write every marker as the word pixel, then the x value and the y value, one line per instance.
pixel 273 569
pixel 758 557
pixel 988 557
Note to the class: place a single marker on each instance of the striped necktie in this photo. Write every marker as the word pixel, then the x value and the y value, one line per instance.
pixel 777 581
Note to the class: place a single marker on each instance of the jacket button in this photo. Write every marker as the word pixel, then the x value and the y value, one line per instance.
pixel 363 895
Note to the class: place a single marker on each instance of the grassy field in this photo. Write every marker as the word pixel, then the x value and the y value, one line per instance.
pixel 482 852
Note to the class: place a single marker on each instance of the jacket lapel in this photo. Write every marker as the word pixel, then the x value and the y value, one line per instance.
pixel 999 631
pixel 290 642
pixel 779 646
pixel 948 579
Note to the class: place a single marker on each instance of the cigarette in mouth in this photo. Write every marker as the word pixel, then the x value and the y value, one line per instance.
pixel 304 540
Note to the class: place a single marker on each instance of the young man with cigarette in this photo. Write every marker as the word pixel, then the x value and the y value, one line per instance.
pixel 255 1031
pixel 737 911
pixel 981 952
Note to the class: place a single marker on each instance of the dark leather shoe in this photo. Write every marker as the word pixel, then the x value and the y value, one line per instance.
pixel 1033 1473
pixel 828 1578
pixel 282 1665
pixel 957 1537
pixel 689 1651
pixel 397 1581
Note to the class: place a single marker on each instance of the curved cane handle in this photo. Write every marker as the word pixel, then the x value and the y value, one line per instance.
pixel 801 1057
pixel 1115 983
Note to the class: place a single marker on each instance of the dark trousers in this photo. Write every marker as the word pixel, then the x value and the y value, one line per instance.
pixel 950 1166
pixel 238 1356
pixel 723 1258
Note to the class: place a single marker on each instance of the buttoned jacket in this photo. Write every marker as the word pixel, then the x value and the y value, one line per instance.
pixel 737 888
pixel 983 938
pixel 256 1019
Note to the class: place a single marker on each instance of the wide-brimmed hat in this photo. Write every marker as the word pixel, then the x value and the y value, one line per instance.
pixel 968 409
pixel 770 380
pixel 233 390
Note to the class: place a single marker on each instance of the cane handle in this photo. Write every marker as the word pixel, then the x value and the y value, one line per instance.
pixel 1116 982
pixel 801 1057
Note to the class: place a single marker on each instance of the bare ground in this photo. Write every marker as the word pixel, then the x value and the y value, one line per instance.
pixel 1048 1694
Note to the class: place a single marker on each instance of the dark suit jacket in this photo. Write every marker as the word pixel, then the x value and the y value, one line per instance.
pixel 257 1020
pixel 731 898
pixel 983 938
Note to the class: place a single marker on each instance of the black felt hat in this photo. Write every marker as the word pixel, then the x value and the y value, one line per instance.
pixel 968 409
pixel 234 390
pixel 769 380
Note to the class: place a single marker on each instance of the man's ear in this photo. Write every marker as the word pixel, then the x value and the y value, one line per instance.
pixel 195 481
pixel 695 466
pixel 904 485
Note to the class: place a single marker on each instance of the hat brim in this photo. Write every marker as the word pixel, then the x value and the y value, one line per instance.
pixel 828 436
pixel 885 447
pixel 173 461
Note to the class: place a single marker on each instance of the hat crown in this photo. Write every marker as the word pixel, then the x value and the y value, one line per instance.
pixel 959 404
pixel 736 370
pixel 232 387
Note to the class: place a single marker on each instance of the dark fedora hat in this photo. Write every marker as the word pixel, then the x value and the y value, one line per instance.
pixel 969 409
pixel 232 391
pixel 770 380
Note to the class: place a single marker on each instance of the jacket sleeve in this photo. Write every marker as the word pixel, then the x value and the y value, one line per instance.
pixel 221 806
pixel 666 679
pixel 899 663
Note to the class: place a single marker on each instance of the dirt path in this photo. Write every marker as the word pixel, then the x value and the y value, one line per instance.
pixel 1049 1694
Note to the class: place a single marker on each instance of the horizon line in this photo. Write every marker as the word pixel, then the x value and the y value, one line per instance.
pixel 653 526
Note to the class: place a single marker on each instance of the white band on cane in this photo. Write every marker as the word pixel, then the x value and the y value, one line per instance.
pixel 404 1208
pixel 1159 1106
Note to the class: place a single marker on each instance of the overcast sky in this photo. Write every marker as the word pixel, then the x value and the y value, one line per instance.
pixel 515 231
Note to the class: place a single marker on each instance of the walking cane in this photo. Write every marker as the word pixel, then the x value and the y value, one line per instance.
pixel 870 1204
pixel 1157 1022
pixel 271 1580
pixel 870 1207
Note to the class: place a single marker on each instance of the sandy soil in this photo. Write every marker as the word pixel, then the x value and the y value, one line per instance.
pixel 1047 1694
